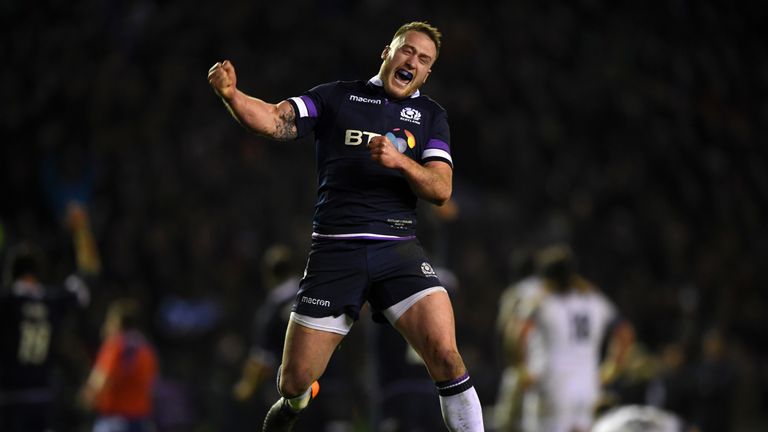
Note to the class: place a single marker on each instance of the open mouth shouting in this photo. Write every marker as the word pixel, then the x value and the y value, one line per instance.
pixel 403 77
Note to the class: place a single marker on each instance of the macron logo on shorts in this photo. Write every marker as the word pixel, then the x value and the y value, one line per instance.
pixel 314 301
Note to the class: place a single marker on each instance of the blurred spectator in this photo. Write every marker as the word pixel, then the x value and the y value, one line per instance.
pixel 119 387
pixel 32 315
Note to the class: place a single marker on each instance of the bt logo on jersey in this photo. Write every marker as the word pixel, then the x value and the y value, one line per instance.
pixel 402 139
pixel 355 137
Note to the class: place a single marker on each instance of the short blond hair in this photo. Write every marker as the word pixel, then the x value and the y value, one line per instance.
pixel 423 27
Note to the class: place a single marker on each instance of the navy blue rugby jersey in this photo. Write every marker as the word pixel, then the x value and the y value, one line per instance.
pixel 357 198
pixel 29 327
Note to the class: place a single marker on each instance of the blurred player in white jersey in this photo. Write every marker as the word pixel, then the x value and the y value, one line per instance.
pixel 561 345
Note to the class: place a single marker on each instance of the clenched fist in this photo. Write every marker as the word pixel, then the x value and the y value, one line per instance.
pixel 384 152
pixel 223 79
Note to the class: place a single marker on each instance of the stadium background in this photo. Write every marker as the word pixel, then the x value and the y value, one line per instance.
pixel 636 132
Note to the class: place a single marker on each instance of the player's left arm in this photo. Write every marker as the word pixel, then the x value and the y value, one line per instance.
pixel 432 181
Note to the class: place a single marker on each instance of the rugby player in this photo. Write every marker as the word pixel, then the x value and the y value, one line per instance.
pixel 562 358
pixel 380 145
pixel 32 317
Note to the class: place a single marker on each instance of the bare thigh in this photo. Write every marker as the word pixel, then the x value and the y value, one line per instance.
pixel 429 327
pixel 305 356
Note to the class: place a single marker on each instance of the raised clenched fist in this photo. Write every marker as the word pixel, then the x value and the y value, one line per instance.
pixel 223 79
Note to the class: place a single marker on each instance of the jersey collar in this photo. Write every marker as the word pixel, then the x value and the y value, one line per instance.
pixel 379 83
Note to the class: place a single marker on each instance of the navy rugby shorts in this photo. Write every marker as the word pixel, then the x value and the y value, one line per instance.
pixel 341 275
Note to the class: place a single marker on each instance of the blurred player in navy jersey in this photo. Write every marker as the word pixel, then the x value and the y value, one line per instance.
pixel 31 315
pixel 380 146
pixel 270 323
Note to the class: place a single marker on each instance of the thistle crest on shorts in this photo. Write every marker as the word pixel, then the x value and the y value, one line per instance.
pixel 427 269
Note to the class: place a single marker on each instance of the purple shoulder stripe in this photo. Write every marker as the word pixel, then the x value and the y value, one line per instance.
pixel 311 109
pixel 438 144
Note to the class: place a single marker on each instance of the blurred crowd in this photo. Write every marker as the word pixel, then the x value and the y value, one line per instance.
pixel 630 131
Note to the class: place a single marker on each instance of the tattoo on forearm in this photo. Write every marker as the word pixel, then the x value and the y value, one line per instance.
pixel 285 127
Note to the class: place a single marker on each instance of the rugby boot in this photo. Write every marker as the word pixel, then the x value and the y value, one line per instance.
pixel 281 417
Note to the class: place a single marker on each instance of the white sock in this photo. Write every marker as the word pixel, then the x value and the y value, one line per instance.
pixel 460 405
pixel 301 401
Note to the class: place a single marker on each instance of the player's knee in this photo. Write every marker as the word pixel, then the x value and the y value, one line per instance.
pixel 293 383
pixel 445 363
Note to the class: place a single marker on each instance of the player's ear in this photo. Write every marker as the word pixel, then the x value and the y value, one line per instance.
pixel 429 71
pixel 385 53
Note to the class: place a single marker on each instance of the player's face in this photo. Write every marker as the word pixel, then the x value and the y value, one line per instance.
pixel 407 63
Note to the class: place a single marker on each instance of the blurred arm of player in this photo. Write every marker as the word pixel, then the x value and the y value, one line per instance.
pixel 275 121
pixel 94 385
pixel 431 181
pixel 86 251
pixel 255 371
pixel 622 339
pixel 511 331
pixel 527 378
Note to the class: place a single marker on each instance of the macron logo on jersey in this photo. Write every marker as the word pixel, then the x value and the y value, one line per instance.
pixel 354 98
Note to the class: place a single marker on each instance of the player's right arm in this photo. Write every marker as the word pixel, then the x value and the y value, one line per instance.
pixel 275 121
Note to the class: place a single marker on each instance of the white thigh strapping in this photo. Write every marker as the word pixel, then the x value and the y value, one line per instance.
pixel 339 325
pixel 394 312
pixel 342 324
